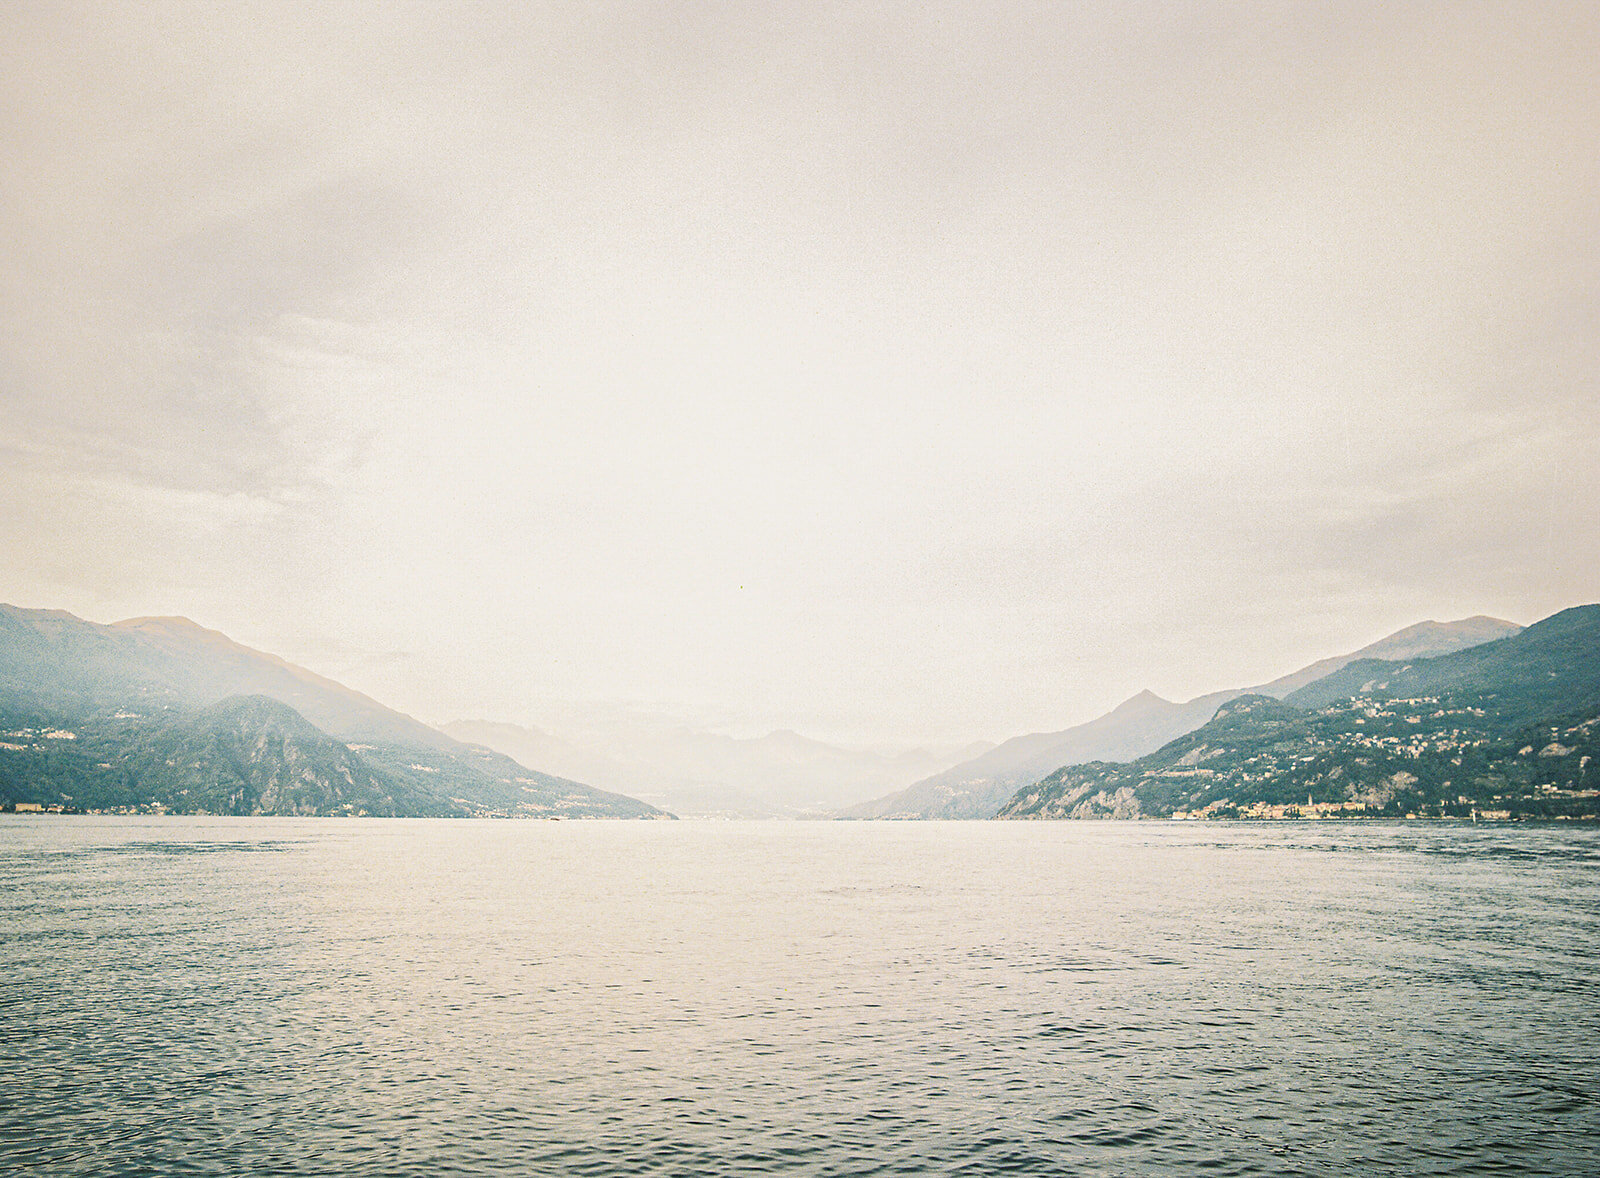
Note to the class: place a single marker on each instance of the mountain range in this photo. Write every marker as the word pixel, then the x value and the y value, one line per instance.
pixel 1439 718
pixel 707 774
pixel 980 787
pixel 160 713
pixel 1509 728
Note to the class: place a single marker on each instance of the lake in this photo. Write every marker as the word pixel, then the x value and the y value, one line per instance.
pixel 398 997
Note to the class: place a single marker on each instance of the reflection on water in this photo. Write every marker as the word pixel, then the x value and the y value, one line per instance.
pixel 215 996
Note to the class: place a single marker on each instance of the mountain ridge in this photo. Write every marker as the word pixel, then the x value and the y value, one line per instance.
pixel 153 679
pixel 1510 728
pixel 980 787
pixel 781 773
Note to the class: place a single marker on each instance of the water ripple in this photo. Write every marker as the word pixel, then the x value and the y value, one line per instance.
pixel 238 997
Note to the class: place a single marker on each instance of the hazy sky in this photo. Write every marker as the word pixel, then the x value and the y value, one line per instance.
pixel 888 372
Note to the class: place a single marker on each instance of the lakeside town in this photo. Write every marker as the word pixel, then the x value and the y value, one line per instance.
pixel 1434 756
pixel 1364 758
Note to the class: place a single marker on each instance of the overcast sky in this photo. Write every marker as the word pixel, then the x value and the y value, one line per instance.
pixel 888 372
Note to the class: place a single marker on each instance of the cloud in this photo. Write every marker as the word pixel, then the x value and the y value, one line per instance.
pixel 919 370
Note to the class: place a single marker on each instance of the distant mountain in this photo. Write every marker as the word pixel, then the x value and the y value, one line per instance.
pixel 534 746
pixel 979 787
pixel 1511 727
pixel 1140 725
pixel 160 711
pixel 782 774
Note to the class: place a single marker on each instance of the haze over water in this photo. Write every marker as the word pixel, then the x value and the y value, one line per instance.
pixel 204 996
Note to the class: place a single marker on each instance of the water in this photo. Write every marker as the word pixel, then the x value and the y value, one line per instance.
pixel 233 996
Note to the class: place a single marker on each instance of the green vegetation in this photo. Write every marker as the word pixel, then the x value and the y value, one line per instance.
pixel 1508 729
pixel 160 715
pixel 254 755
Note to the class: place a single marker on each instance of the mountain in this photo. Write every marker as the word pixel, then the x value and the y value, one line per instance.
pixel 1423 640
pixel 243 755
pixel 162 712
pixel 534 746
pixel 980 787
pixel 781 774
pixel 1548 670
pixel 1511 728
pixel 56 659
